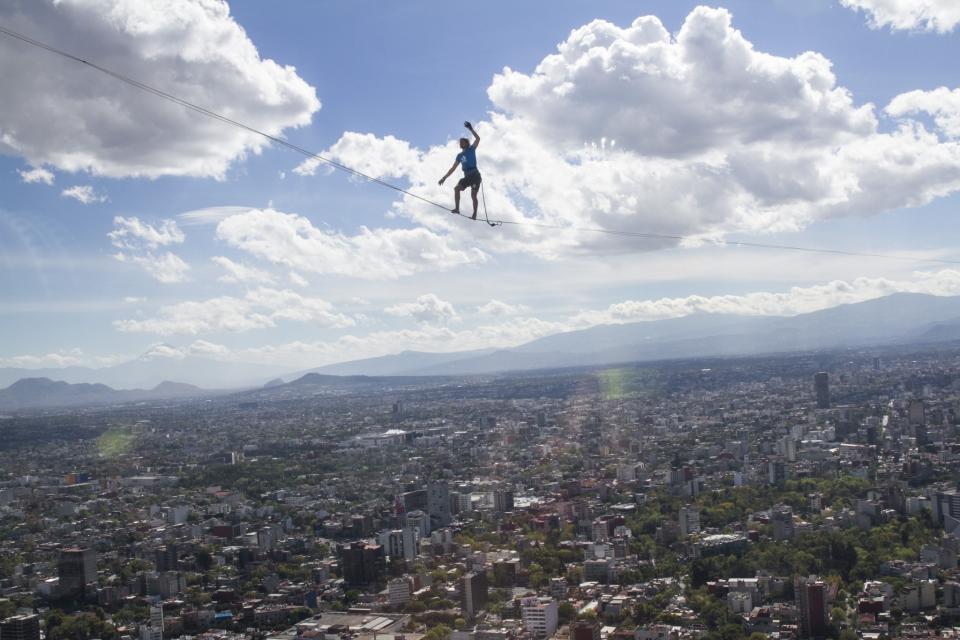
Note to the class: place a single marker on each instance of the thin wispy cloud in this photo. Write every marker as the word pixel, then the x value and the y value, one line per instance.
pixel 142 243
pixel 84 194
pixel 210 215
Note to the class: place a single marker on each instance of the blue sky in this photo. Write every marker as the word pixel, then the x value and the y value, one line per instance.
pixel 767 147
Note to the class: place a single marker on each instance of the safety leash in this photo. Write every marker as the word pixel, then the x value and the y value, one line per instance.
pixel 483 196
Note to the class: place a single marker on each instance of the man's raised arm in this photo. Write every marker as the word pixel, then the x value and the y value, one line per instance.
pixel 476 136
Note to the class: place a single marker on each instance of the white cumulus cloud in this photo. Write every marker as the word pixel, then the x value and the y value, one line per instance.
pixel 386 157
pixel 712 136
pixel 499 308
pixel 293 241
pixel 795 301
pixel 59 359
pixel 138 242
pixel 506 332
pixel 258 309
pixel 35 175
pixel 133 233
pixel 208 349
pixel 87 121
pixel 427 308
pixel 941 103
pixel 163 351
pixel 941 16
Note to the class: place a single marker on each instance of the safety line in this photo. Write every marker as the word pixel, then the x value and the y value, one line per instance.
pixel 493 223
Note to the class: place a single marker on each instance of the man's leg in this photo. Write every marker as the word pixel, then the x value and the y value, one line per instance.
pixel 473 194
pixel 456 200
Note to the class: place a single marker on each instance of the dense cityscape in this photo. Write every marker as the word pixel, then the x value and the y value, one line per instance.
pixel 536 320
pixel 801 496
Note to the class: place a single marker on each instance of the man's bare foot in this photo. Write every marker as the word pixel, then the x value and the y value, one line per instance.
pixel 454 210
pixel 474 216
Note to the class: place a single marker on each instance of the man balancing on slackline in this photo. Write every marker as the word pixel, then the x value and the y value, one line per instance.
pixel 467 158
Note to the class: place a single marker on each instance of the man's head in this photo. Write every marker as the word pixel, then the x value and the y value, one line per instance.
pixel 464 143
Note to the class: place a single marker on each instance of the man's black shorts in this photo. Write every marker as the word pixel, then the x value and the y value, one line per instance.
pixel 472 180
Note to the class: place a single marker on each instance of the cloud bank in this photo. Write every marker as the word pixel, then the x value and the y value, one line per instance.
pixel 697 134
pixel 293 241
pixel 258 309
pixel 264 307
pixel 86 121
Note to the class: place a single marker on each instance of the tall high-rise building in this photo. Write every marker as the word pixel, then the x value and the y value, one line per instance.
pixel 781 518
pixel 946 509
pixel 401 544
pixel 474 592
pixel 156 621
pixel 76 568
pixel 398 591
pixel 776 472
pixel 411 543
pixel 821 386
pixel 917 418
pixel 540 616
pixel 503 500
pixel 419 521
pixel 689 520
pixel 361 563
pixel 811 595
pixel 153 630
pixel 438 504
pixel 166 558
pixel 20 628
pixel 412 500
pixel 505 573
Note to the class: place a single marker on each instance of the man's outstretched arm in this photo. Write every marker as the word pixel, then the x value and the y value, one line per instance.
pixel 452 169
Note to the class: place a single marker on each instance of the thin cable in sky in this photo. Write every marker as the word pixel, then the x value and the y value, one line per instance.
pixel 495 222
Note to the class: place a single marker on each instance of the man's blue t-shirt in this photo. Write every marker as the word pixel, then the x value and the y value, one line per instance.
pixel 468 159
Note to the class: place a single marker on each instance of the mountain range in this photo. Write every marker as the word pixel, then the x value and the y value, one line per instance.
pixel 898 319
pixel 150 370
pixel 30 393
pixel 901 318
